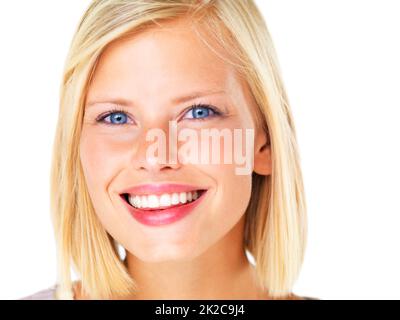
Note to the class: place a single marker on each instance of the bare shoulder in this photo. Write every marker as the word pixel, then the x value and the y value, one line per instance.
pixel 45 294
pixel 297 297
pixel 293 296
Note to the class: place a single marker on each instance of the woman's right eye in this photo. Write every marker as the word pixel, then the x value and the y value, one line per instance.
pixel 115 118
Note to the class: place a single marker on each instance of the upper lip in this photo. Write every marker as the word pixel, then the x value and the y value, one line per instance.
pixel 160 188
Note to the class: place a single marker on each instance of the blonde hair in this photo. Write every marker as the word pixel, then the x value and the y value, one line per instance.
pixel 276 226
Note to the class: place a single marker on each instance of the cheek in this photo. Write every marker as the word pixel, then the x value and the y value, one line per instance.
pixel 100 159
pixel 231 195
pixel 94 161
pixel 101 164
pixel 236 190
pixel 232 191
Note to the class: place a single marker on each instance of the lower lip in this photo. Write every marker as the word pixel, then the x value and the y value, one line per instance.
pixel 165 216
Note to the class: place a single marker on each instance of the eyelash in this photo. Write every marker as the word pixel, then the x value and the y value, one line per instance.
pixel 214 110
pixel 100 119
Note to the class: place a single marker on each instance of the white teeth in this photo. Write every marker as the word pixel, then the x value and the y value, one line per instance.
pixel 136 201
pixel 143 202
pixel 175 198
pixel 165 200
pixel 152 201
pixel 182 197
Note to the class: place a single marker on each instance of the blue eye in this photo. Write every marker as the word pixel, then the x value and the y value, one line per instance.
pixel 201 112
pixel 116 117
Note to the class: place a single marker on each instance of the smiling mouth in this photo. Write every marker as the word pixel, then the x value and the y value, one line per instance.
pixel 164 201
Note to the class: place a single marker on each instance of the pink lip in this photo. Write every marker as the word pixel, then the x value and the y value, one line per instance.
pixel 158 189
pixel 160 217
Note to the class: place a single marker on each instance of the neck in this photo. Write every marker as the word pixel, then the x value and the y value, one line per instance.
pixel 222 272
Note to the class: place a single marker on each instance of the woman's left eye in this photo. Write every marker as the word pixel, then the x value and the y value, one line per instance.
pixel 201 112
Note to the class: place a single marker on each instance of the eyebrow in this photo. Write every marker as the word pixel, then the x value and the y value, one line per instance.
pixel 182 99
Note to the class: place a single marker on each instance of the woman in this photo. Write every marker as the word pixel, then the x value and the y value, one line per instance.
pixel 139 70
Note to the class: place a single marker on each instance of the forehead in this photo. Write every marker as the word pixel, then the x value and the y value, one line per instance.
pixel 162 61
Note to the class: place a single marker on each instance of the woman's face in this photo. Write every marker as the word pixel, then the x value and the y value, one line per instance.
pixel 143 77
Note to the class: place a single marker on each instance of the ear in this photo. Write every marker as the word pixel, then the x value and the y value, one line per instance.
pixel 262 153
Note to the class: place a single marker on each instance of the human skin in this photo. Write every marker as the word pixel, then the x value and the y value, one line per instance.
pixel 201 256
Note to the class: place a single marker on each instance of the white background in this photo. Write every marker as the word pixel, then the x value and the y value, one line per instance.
pixel 340 63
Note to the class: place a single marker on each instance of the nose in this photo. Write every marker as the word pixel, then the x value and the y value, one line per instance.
pixel 155 152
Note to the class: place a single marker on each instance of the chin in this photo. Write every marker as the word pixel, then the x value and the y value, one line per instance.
pixel 167 253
